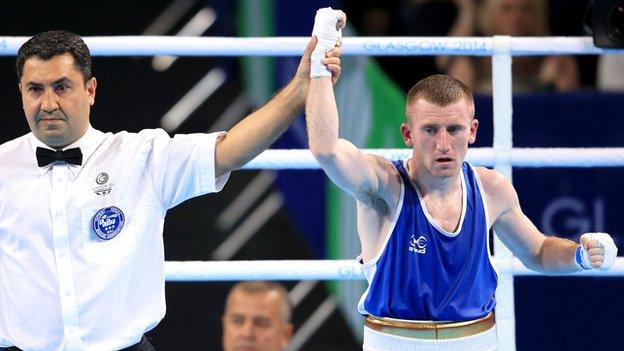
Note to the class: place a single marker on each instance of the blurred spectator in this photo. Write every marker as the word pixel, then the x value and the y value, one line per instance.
pixel 427 17
pixel 515 18
pixel 376 22
pixel 610 73
pixel 257 317
pixel 388 18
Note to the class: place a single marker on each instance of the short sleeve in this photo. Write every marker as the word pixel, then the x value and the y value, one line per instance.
pixel 183 167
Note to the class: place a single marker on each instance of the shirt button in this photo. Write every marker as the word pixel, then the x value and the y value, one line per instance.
pixel 62 254
pixel 68 293
pixel 59 214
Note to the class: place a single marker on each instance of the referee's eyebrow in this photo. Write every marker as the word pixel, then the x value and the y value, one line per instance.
pixel 56 82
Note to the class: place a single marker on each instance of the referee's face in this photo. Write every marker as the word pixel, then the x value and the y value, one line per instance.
pixel 56 99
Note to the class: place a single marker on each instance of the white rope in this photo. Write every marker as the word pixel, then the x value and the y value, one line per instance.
pixel 178 271
pixel 520 157
pixel 263 270
pixel 293 46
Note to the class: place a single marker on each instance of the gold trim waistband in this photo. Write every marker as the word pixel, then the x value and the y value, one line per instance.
pixel 430 330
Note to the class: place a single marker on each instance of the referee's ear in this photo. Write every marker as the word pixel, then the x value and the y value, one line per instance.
pixel 91 86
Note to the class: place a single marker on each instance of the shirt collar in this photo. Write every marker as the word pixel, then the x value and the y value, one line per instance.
pixel 88 143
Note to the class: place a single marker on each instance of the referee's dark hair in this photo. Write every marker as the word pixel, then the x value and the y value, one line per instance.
pixel 46 45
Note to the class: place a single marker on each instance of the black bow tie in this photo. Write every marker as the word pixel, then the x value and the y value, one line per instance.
pixel 47 156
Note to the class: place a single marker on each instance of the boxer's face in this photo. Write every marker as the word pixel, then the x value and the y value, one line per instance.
pixel 439 136
pixel 56 99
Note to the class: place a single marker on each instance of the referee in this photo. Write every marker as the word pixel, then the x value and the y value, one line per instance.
pixel 82 210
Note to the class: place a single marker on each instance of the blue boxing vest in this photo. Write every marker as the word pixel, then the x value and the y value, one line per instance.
pixel 423 272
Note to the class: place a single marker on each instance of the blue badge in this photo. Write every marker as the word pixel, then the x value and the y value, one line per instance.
pixel 108 222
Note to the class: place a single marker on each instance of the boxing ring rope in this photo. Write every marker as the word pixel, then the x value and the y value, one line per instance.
pixel 502 156
pixel 483 156
pixel 203 271
pixel 293 46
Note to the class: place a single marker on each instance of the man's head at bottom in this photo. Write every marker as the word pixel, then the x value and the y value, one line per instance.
pixel 257 317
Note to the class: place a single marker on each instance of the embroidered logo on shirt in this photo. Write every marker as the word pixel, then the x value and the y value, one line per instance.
pixel 102 187
pixel 102 178
pixel 108 222
pixel 418 245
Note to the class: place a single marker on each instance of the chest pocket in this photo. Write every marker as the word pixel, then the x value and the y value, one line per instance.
pixel 107 233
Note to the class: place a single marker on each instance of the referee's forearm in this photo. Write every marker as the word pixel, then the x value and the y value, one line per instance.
pixel 254 134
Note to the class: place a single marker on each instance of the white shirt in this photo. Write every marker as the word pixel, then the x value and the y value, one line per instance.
pixel 63 287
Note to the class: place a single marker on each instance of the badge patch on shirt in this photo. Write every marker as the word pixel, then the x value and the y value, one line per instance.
pixel 102 187
pixel 418 245
pixel 108 222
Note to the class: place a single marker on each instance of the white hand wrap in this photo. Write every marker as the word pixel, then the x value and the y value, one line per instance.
pixel 610 251
pixel 327 35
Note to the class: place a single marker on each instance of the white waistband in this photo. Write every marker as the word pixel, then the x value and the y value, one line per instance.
pixel 377 341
